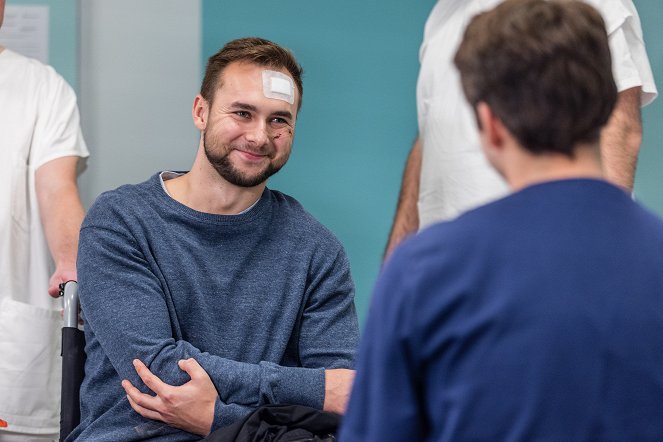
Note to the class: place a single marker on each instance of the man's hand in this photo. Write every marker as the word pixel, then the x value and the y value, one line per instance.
pixel 338 385
pixel 189 407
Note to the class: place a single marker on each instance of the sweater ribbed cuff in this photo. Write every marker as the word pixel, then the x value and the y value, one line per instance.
pixel 296 385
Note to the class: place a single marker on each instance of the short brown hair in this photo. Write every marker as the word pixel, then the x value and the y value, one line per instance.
pixel 250 50
pixel 544 68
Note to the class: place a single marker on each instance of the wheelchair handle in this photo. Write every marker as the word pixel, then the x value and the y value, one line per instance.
pixel 69 291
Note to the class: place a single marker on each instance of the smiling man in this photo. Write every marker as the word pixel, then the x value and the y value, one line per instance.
pixel 212 269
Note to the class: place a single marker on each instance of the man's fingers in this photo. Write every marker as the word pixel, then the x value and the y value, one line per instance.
pixel 144 400
pixel 130 389
pixel 193 369
pixel 145 412
pixel 152 381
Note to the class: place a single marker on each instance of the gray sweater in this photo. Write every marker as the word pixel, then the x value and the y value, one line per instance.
pixel 262 300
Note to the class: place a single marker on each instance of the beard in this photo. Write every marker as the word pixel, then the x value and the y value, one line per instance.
pixel 227 170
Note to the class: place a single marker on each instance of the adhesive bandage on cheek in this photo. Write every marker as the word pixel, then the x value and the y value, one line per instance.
pixel 278 85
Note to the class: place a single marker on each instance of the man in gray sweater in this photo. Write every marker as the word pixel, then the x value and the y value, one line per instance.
pixel 208 288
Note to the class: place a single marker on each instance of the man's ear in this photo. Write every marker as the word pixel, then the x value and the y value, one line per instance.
pixel 491 127
pixel 200 112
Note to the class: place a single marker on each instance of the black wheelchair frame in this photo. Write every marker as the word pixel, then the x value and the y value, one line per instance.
pixel 73 360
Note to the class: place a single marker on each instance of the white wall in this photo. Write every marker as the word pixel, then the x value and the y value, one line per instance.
pixel 140 70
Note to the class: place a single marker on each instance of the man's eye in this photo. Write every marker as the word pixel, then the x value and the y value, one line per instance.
pixel 279 121
pixel 243 114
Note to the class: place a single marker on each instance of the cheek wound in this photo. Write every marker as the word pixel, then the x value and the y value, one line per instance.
pixel 282 132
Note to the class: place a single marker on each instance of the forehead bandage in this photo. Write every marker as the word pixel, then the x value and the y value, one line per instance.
pixel 278 85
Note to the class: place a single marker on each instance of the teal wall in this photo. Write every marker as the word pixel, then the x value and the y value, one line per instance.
pixel 358 118
pixel 649 177
pixel 62 35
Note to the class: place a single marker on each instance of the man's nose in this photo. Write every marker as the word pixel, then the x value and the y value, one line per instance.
pixel 257 134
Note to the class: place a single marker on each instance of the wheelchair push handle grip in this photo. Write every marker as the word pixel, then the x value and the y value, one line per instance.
pixel 69 291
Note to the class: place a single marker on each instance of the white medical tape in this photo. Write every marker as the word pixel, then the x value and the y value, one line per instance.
pixel 278 85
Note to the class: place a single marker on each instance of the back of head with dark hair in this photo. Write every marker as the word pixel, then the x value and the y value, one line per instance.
pixel 250 50
pixel 544 68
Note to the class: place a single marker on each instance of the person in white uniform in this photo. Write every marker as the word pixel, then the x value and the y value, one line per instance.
pixel 40 211
pixel 446 173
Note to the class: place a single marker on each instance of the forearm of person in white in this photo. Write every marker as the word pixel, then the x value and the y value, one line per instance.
pixel 61 215
pixel 406 220
pixel 621 139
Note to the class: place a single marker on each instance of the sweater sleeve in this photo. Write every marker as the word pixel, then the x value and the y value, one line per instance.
pixel 329 331
pixel 328 338
pixel 128 313
pixel 226 414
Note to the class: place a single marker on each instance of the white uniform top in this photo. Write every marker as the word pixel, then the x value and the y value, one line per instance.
pixel 455 176
pixel 39 122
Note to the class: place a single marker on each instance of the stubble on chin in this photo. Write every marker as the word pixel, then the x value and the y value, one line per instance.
pixel 223 165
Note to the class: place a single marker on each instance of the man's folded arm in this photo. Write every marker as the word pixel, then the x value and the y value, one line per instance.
pixel 329 332
pixel 125 308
